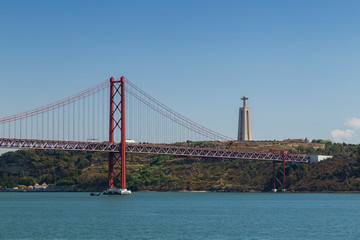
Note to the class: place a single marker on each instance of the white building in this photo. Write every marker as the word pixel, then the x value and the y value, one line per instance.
pixel 318 158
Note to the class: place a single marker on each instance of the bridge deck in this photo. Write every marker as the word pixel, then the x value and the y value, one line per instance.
pixel 148 149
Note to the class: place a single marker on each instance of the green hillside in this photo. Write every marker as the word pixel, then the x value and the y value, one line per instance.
pixel 88 170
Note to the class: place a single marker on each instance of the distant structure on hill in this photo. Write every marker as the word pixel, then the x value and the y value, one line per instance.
pixel 244 131
pixel 306 140
pixel 318 158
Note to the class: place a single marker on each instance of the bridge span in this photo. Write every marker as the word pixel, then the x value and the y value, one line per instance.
pixel 94 120
pixel 150 149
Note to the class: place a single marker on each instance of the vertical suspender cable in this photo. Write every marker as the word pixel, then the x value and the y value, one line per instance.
pixel 83 122
pixel 63 130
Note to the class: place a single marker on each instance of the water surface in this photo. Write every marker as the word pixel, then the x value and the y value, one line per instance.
pixel 179 216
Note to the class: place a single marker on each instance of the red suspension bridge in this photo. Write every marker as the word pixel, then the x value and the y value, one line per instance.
pixel 95 120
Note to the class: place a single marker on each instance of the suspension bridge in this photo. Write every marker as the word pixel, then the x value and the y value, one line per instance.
pixel 102 117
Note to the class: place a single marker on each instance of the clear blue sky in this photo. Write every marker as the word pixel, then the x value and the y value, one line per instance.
pixel 297 61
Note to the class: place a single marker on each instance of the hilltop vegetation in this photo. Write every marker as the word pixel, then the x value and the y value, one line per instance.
pixel 88 170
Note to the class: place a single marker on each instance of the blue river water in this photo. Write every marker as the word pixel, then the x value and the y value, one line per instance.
pixel 180 216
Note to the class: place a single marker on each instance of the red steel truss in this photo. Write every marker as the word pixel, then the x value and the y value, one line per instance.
pixel 150 149
pixel 59 145
pixel 214 153
pixel 117 121
pixel 276 180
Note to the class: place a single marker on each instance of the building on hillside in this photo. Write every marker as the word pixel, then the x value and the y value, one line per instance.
pixel 318 158
pixel 304 140
pixel 244 128
pixel 42 186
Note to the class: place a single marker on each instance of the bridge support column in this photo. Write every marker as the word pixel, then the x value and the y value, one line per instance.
pixel 283 173
pixel 275 179
pixel 117 122
pixel 111 171
pixel 111 135
pixel 123 140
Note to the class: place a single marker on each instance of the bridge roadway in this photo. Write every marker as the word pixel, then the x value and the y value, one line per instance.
pixel 149 149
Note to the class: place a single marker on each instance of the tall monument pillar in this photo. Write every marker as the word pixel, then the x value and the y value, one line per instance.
pixel 244 132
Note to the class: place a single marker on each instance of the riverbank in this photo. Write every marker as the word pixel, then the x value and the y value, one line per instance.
pixel 87 171
pixel 180 191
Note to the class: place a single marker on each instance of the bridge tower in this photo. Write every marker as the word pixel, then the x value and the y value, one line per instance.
pixel 117 121
pixel 244 131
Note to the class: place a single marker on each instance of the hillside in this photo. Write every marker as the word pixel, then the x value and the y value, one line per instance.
pixel 88 171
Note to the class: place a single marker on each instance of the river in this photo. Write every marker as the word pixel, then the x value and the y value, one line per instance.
pixel 180 216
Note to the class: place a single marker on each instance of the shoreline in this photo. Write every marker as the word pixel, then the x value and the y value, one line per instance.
pixel 179 191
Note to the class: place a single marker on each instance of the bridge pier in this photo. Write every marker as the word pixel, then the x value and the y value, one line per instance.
pixel 275 179
pixel 117 122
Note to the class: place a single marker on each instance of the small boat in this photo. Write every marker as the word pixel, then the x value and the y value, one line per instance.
pixel 95 194
pixel 114 191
